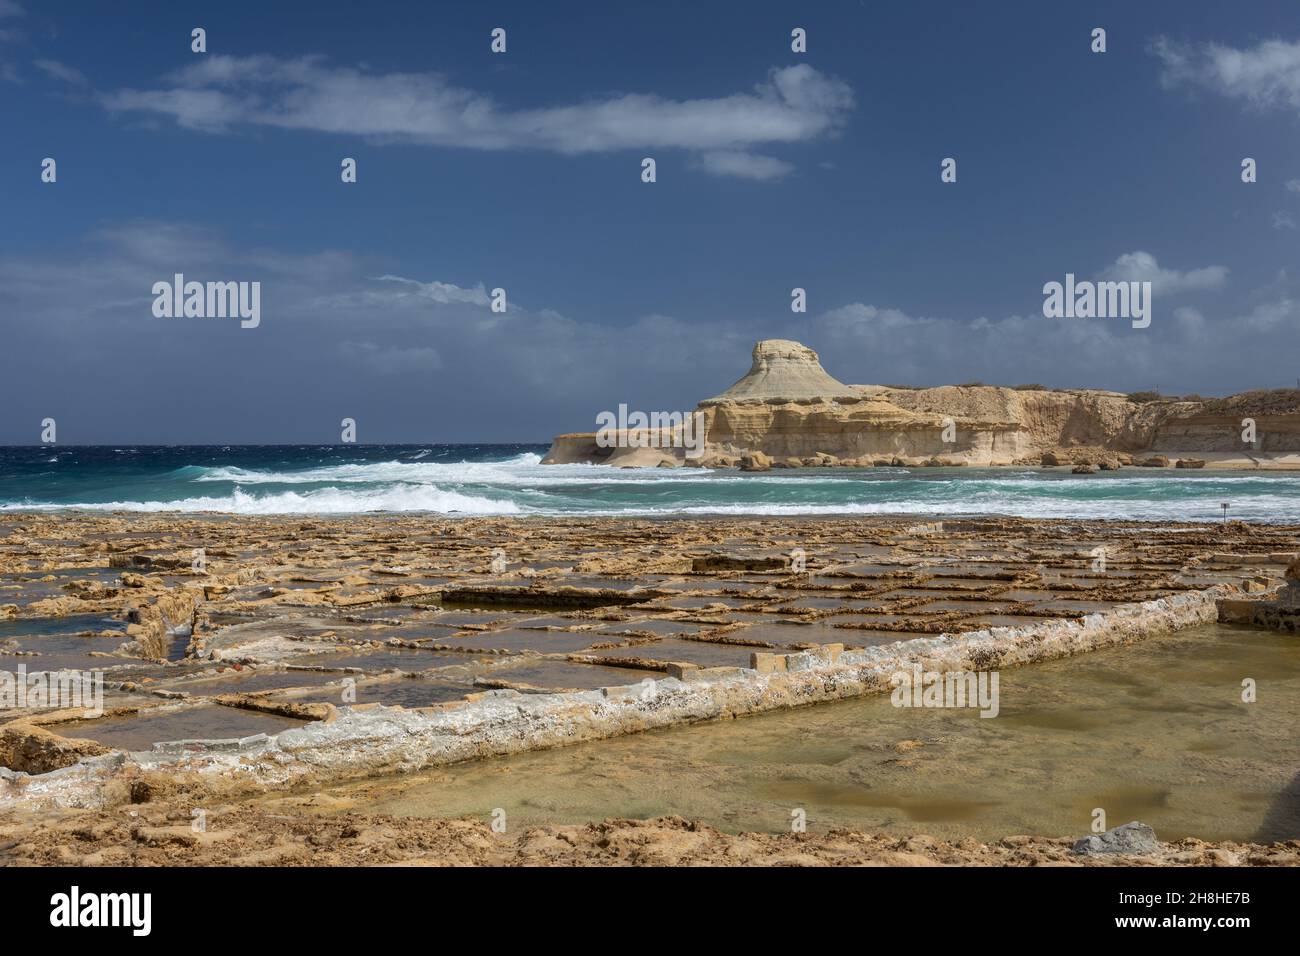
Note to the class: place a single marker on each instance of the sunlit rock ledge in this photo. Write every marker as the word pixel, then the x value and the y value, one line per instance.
pixel 788 412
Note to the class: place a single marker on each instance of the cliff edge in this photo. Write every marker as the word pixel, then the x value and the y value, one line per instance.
pixel 788 411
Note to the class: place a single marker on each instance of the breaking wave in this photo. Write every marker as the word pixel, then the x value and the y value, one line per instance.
pixel 319 501
pixel 511 480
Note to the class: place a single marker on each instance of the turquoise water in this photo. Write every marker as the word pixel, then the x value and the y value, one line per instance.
pixel 1155 732
pixel 510 480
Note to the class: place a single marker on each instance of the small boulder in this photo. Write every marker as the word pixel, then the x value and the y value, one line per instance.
pixel 1155 461
pixel 1051 459
pixel 1133 838
pixel 1084 469
pixel 755 461
pixel 1190 463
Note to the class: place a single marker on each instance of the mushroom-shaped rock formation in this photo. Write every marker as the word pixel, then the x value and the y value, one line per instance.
pixel 787 370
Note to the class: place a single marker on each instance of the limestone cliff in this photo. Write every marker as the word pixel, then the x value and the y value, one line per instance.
pixel 788 411
pixel 783 371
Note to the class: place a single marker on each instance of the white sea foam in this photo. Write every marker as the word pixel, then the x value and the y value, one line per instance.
pixel 522 485
pixel 1268 508
pixel 318 501
pixel 523 471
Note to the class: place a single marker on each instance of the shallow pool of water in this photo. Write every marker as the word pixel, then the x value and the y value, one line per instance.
pixel 1156 732
pixel 205 722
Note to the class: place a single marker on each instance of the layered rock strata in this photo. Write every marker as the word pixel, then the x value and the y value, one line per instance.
pixel 791 412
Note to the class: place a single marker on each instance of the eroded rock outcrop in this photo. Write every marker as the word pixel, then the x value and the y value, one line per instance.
pixel 783 370
pixel 790 410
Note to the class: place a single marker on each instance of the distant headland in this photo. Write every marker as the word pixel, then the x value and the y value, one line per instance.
pixel 789 412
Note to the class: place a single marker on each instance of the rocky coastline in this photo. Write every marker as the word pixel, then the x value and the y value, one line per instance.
pixel 788 412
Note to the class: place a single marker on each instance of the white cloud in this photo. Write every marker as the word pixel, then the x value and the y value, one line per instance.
pixel 1190 321
pixel 1183 348
pixel 443 292
pixel 61 71
pixel 1283 220
pixel 857 316
pixel 792 105
pixel 1142 267
pixel 730 162
pixel 392 360
pixel 8 8
pixel 1281 314
pixel 1267 74
pixel 1293 185
pixel 339 336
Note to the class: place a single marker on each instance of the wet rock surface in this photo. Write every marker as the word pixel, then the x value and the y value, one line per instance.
pixel 334 616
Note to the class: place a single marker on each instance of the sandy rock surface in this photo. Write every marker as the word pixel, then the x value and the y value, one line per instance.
pixel 289 834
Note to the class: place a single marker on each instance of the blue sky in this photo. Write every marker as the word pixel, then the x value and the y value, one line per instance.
pixel 522 170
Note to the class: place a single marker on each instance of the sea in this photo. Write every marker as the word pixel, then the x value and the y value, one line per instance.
pixel 494 479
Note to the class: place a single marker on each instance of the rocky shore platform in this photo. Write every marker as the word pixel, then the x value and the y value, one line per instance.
pixel 289 833
pixel 253 655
